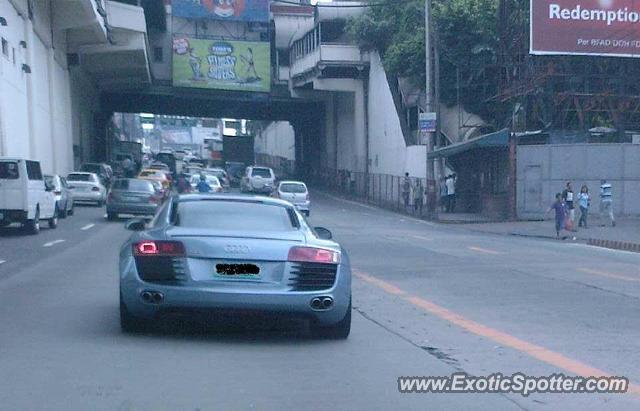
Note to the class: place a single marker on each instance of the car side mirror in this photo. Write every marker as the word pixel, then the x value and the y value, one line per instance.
pixel 137 224
pixel 323 233
pixel 48 187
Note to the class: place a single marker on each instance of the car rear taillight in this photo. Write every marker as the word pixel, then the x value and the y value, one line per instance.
pixel 95 188
pixel 306 197
pixel 159 249
pixel 313 255
pixel 155 199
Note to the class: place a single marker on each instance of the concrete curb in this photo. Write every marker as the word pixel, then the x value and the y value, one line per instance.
pixel 615 245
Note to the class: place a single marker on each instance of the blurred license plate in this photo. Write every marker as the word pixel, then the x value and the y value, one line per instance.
pixel 131 199
pixel 238 270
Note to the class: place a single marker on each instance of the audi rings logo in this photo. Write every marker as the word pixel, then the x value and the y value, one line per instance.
pixel 236 249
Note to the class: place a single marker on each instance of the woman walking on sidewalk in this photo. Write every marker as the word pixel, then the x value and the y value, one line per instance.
pixel 584 201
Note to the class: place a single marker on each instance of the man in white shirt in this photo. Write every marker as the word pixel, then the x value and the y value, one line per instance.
pixel 606 201
pixel 450 183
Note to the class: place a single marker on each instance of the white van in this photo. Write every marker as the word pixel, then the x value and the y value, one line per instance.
pixel 24 196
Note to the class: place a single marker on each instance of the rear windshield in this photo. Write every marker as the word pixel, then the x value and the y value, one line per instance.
pixel 9 170
pixel 79 177
pixel 235 216
pixel 133 185
pixel 166 157
pixel 261 172
pixel 293 188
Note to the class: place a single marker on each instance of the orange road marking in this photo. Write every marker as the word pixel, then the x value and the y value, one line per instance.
pixel 484 250
pixel 609 275
pixel 536 351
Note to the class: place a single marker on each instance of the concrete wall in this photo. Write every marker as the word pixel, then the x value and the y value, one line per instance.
pixel 388 151
pixel 580 164
pixel 277 139
pixel 34 108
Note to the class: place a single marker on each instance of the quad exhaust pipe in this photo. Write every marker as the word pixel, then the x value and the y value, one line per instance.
pixel 152 297
pixel 321 303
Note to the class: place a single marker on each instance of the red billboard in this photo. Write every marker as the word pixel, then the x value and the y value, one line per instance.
pixel 586 27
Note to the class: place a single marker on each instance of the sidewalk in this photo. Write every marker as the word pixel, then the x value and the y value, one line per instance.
pixel 625 236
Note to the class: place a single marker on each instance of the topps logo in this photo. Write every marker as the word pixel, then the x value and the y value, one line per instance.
pixel 221 49
pixel 578 13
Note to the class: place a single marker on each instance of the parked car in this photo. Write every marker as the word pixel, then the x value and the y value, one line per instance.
pixel 296 193
pixel 64 199
pixel 25 197
pixel 221 174
pixel 212 180
pixel 102 170
pixel 160 176
pixel 258 180
pixel 235 254
pixel 133 196
pixel 86 188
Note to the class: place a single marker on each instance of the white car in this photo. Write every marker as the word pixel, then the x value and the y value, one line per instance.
pixel 86 187
pixel 212 180
pixel 296 193
pixel 258 180
pixel 25 198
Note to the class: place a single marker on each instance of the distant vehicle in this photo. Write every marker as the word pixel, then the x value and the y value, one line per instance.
pixel 192 169
pixel 235 171
pixel 258 180
pixel 118 160
pixel 64 199
pixel 134 149
pixel 169 159
pixel 156 165
pixel 296 193
pixel 103 171
pixel 156 175
pixel 220 173
pixel 86 187
pixel 133 196
pixel 212 180
pixel 234 254
pixel 25 197
pixel 179 154
pixel 199 161
pixel 238 149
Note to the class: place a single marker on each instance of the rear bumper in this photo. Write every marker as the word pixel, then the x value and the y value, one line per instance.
pixel 13 216
pixel 129 208
pixel 86 196
pixel 215 299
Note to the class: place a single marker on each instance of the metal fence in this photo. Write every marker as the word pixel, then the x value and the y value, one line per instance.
pixel 383 190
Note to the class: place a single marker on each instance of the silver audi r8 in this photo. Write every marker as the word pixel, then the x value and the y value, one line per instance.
pixel 233 255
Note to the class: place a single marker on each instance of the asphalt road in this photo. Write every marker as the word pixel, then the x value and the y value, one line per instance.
pixel 428 300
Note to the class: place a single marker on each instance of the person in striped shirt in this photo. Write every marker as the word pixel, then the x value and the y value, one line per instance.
pixel 606 201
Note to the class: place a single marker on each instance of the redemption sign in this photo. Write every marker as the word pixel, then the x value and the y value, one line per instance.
pixel 230 10
pixel 586 27
pixel 222 64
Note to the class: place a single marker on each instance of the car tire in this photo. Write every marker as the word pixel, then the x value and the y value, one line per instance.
pixel 128 322
pixel 112 216
pixel 53 221
pixel 33 226
pixel 71 211
pixel 63 213
pixel 338 331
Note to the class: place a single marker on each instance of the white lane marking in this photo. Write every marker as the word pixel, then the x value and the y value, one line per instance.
pixel 484 250
pixel 3 261
pixel 419 237
pixel 87 227
pixel 54 242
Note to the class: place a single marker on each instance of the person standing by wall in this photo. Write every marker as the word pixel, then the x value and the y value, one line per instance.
pixel 450 182
pixel 606 201
pixel 568 196
pixel 443 195
pixel 406 190
pixel 418 198
pixel 584 201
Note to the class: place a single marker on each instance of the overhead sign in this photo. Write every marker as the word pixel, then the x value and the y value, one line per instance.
pixel 585 27
pixel 230 10
pixel 222 64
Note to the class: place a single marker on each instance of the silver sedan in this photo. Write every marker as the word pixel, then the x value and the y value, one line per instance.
pixel 224 254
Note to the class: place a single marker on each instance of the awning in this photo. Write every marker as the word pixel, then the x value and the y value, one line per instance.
pixel 499 139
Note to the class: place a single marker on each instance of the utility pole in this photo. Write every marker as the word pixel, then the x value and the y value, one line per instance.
pixel 429 106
